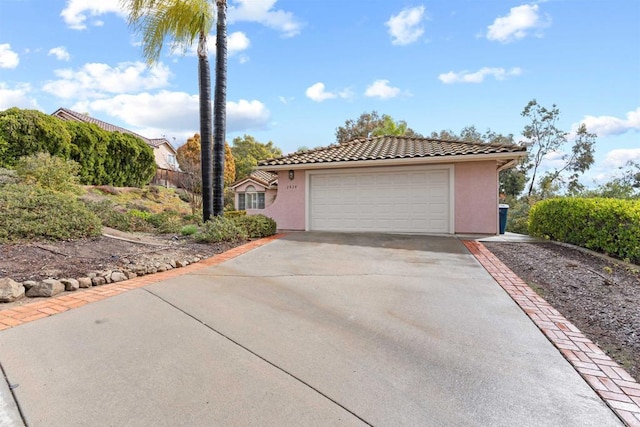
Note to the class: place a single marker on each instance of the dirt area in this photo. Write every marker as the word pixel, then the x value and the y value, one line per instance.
pixel 113 251
pixel 600 296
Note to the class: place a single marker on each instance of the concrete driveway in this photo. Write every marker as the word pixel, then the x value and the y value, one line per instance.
pixel 312 329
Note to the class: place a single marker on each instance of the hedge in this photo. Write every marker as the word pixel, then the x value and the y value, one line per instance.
pixel 611 226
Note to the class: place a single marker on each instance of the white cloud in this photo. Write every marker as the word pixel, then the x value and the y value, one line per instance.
pixel 261 11
pixel 608 125
pixel 8 58
pixel 520 21
pixel 619 157
pixel 76 12
pixel 173 113
pixel 478 76
pixel 405 27
pixel 60 53
pixel 17 96
pixel 381 89
pixel 317 93
pixel 94 80
pixel 237 42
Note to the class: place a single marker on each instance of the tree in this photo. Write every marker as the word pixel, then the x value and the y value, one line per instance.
pixel 624 185
pixel 543 137
pixel 182 21
pixel 247 152
pixel 368 123
pixel 219 109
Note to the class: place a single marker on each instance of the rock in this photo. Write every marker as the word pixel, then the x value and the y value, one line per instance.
pixel 118 276
pixel 98 281
pixel 182 263
pixel 195 259
pixel 29 284
pixel 172 263
pixel 151 269
pixel 46 288
pixel 161 267
pixel 84 282
pixel 140 270
pixel 70 284
pixel 130 274
pixel 106 274
pixel 10 290
pixel 92 275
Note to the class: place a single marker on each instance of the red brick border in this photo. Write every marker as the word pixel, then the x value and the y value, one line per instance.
pixel 610 381
pixel 33 311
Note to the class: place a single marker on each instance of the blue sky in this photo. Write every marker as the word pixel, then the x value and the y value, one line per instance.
pixel 298 69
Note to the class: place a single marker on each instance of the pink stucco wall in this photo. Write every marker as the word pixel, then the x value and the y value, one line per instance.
pixel 288 209
pixel 476 198
pixel 269 194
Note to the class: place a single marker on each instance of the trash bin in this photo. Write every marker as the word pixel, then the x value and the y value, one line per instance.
pixel 503 209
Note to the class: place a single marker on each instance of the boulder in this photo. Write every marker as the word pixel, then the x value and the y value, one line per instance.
pixel 70 284
pixel 10 290
pixel 98 281
pixel 172 263
pixel 46 288
pixel 181 263
pixel 130 274
pixel 84 282
pixel 28 284
pixel 118 276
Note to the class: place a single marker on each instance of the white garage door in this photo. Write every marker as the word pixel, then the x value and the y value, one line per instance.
pixel 387 200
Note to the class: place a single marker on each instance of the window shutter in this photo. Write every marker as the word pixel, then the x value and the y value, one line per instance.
pixel 241 202
pixel 260 200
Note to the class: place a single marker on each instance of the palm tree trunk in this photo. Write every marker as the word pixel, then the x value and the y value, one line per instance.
pixel 204 86
pixel 219 109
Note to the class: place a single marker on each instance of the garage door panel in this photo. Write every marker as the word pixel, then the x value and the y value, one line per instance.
pixel 392 200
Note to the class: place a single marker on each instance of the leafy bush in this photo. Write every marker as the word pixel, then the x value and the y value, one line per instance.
pixel 518 214
pixel 221 229
pixel 113 217
pixel 234 214
pixel 166 222
pixel 53 173
pixel 611 226
pixel 141 214
pixel 189 230
pixel 8 176
pixel 30 212
pixel 257 225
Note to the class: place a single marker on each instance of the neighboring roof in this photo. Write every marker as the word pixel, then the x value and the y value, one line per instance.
pixel 394 147
pixel 70 115
pixel 264 178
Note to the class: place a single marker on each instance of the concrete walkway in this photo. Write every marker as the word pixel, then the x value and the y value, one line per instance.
pixel 311 329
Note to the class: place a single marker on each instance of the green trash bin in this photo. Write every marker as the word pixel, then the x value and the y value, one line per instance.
pixel 504 210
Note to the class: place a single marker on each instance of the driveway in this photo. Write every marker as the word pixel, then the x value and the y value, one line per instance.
pixel 312 329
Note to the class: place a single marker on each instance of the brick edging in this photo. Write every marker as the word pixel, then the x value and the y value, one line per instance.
pixel 29 312
pixel 619 390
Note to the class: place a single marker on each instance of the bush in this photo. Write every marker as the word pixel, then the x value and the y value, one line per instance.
pixel 111 216
pixel 257 225
pixel 52 173
pixel 235 214
pixel 8 176
pixel 166 222
pixel 189 230
pixel 611 226
pixel 33 213
pixel 221 229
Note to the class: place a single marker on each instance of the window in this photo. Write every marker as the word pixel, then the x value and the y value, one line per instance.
pixel 251 199
pixel 171 159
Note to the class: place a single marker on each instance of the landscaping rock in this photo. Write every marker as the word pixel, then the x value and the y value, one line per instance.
pixel 29 284
pixel 151 269
pixel 70 284
pixel 118 276
pixel 98 281
pixel 10 290
pixel 46 288
pixel 181 263
pixel 84 282
pixel 172 263
pixel 130 274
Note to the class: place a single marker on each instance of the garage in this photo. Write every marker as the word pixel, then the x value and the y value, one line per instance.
pixel 394 199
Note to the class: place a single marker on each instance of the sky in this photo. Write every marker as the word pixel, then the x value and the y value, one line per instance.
pixel 298 69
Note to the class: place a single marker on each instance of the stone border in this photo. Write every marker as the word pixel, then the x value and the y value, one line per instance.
pixel 619 390
pixel 29 312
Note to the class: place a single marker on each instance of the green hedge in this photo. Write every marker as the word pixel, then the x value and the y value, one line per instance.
pixel 611 226
pixel 257 226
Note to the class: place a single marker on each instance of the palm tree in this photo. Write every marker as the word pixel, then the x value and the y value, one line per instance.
pixel 219 109
pixel 182 21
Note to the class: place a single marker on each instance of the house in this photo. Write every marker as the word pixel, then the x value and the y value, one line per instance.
pixel 257 191
pixel 385 184
pixel 164 152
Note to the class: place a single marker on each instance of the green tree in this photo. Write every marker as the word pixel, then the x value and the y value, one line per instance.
pixel 247 152
pixel 89 145
pixel 182 21
pixel 129 161
pixel 368 123
pixel 623 185
pixel 27 132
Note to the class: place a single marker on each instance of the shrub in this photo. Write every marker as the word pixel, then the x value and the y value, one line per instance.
pixel 189 230
pixel 257 225
pixel 49 172
pixel 30 212
pixel 113 217
pixel 611 226
pixel 166 222
pixel 8 176
pixel 234 214
pixel 221 229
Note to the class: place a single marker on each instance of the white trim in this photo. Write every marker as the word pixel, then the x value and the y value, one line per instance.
pixel 395 162
pixel 233 187
pixel 449 167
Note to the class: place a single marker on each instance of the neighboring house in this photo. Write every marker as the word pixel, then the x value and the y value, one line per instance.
pixel 257 191
pixel 165 154
pixel 388 184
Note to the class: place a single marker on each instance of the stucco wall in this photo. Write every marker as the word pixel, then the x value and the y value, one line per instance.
pixel 476 197
pixel 269 194
pixel 288 209
pixel 161 154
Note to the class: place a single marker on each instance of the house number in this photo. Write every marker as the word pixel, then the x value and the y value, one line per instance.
pixel 291 187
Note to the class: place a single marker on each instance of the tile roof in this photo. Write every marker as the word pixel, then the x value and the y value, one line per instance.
pixel 392 147
pixel 265 178
pixel 66 114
